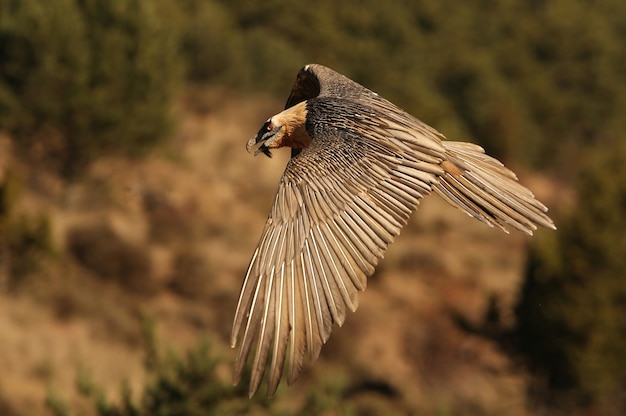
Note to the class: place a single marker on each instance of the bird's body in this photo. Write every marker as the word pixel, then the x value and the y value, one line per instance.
pixel 359 167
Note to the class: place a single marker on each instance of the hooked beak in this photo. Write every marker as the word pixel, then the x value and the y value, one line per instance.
pixel 257 145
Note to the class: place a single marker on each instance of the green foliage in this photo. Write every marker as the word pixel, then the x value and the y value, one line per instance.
pixel 531 81
pixel 218 50
pixel 25 240
pixel 179 386
pixel 190 385
pixel 85 77
pixel 187 386
pixel 571 316
pixel 56 405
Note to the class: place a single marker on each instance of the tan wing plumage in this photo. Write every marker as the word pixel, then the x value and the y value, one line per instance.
pixel 339 204
pixel 332 220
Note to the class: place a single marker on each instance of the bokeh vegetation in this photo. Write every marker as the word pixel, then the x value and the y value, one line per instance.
pixel 533 81
pixel 85 78
pixel 540 84
pixel 187 385
pixel 25 240
pixel 178 385
pixel 571 324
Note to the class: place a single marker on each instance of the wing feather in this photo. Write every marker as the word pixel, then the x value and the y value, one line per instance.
pixel 320 277
pixel 485 189
pixel 387 227
pixel 321 307
pixel 281 337
pixel 336 267
pixel 265 335
pixel 326 232
pixel 299 328
pixel 252 324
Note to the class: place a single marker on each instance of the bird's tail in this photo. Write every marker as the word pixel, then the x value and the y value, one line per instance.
pixel 485 189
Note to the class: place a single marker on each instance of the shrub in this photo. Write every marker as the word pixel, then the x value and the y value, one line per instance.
pixel 25 240
pixel 571 314
pixel 194 384
pixel 188 385
pixel 85 77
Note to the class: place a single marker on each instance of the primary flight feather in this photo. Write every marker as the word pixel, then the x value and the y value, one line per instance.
pixel 358 169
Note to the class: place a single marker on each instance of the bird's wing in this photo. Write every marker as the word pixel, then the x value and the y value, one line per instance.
pixel 315 80
pixel 340 202
pixel 485 189
pixel 478 184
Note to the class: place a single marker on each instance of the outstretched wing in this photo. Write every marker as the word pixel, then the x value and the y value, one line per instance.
pixel 478 184
pixel 340 202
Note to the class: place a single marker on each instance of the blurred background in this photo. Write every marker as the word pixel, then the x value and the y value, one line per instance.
pixel 129 208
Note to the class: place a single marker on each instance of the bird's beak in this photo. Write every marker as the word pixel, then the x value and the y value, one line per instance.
pixel 257 145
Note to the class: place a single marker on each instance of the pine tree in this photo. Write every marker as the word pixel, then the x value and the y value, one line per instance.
pixel 571 315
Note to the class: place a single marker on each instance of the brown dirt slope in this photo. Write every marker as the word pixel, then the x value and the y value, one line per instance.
pixel 170 237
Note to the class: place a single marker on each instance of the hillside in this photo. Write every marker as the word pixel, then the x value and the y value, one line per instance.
pixel 129 208
pixel 169 237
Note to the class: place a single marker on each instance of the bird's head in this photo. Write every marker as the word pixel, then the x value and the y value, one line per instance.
pixel 268 137
pixel 284 129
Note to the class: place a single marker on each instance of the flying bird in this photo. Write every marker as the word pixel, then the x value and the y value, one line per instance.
pixel 359 166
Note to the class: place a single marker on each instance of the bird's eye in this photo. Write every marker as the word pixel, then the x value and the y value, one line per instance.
pixel 267 126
